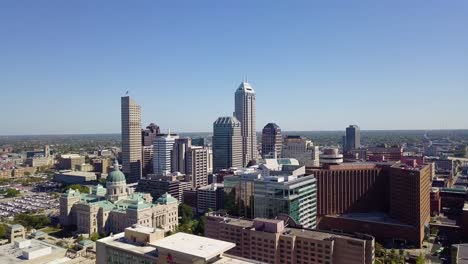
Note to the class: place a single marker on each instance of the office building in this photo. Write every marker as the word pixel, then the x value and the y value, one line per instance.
pixel 384 153
pixel 148 157
pixel 32 251
pixel 70 161
pixel 266 193
pixel 75 177
pixel 272 141
pixel 175 184
pixel 353 138
pixel 131 139
pixel 149 134
pixel 302 149
pixel 277 241
pixel 162 151
pixel 100 165
pixel 139 244
pixel 245 113
pixel 180 151
pixel 197 165
pixel 210 197
pixel 290 195
pixel 227 143
pixel 390 201
pixel 112 209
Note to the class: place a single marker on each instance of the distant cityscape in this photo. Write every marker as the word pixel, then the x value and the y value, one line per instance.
pixel 234 195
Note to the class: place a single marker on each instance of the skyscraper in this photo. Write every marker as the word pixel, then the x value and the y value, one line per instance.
pixel 147 137
pixel 197 165
pixel 163 146
pixel 353 138
pixel 272 141
pixel 180 151
pixel 227 143
pixel 245 113
pixel 131 139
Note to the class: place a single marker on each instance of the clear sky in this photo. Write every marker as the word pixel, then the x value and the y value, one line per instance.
pixel 315 65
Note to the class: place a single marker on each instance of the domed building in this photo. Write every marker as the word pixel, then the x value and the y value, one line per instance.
pixel 116 207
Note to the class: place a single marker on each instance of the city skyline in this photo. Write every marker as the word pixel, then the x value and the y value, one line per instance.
pixel 353 65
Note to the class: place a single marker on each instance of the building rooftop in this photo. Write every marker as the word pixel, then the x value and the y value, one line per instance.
pixel 196 246
pixel 12 254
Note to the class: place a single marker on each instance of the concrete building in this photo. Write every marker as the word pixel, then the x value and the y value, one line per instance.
pixel 330 156
pixel 112 209
pixel 31 251
pixel 15 232
pixel 148 245
pixel 70 161
pixel 131 139
pixel 227 143
pixel 75 177
pixel 197 165
pixel 175 184
pixel 180 152
pixel 101 165
pixel 210 197
pixel 39 161
pixel 390 201
pixel 384 153
pixel 302 149
pixel 149 134
pixel 245 112
pixel 162 148
pixel 270 241
pixel 353 138
pixel 272 141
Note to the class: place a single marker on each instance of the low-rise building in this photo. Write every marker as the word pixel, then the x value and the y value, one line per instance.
pixel 75 177
pixel 270 241
pixel 148 245
pixel 112 209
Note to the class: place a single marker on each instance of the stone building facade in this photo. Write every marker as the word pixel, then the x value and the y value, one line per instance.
pixel 116 207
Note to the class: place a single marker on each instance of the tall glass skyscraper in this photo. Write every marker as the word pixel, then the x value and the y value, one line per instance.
pixel 245 113
pixel 227 143
pixel 131 139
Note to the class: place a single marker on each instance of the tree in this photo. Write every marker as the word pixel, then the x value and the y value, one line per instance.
pixel 2 230
pixel 420 259
pixel 185 214
pixel 12 193
pixel 94 236
pixel 200 228
pixel 379 250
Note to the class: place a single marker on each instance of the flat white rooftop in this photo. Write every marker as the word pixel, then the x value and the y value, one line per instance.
pixel 196 246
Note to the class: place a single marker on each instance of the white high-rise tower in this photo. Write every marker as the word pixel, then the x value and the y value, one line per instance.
pixel 245 113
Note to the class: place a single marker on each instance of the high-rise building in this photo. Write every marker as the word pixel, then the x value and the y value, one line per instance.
pixel 268 192
pixel 162 148
pixel 131 139
pixel 197 165
pixel 353 138
pixel 290 195
pixel 302 149
pixel 281 241
pixel 390 201
pixel 272 141
pixel 227 143
pixel 149 134
pixel 245 113
pixel 179 155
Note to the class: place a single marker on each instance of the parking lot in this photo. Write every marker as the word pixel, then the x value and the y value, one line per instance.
pixel 28 203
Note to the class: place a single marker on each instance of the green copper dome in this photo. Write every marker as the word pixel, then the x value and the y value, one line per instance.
pixel 116 175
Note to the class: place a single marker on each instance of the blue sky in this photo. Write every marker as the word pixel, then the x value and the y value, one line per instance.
pixel 315 65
